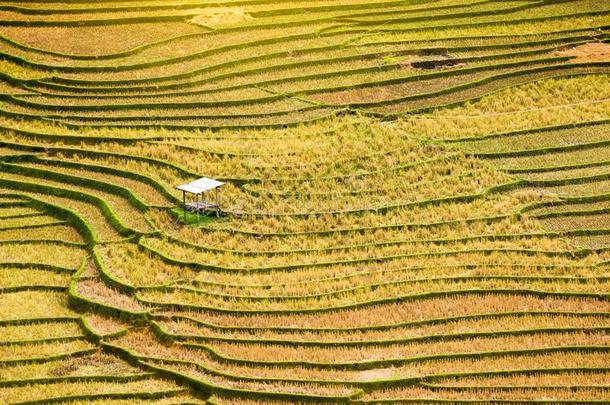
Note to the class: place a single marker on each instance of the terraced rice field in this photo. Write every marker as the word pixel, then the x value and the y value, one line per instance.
pixel 416 208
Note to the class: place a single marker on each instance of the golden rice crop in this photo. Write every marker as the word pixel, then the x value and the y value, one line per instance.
pixel 260 386
pixel 33 304
pixel 427 261
pixel 417 214
pixel 556 159
pixel 24 222
pixel 17 211
pixel 268 352
pixel 521 143
pixel 42 252
pixel 132 266
pixel 523 394
pixel 91 364
pixel 15 277
pixel 21 72
pixel 503 30
pixel 51 390
pixel 547 102
pixel 39 331
pixel 146 345
pixel 391 313
pixel 280 243
pixel 482 323
pixel 104 325
pixel 109 38
pixel 144 191
pixel 121 207
pixel 35 350
pixel 582 377
pixel 208 41
pixel 379 248
pixel 261 261
pixel 166 399
pixel 56 232
pixel 582 190
pixel 97 291
pixel 566 174
pixel 368 293
pixel 92 215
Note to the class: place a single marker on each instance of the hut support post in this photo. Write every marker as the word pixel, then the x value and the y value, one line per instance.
pixel 184 204
pixel 217 204
pixel 197 196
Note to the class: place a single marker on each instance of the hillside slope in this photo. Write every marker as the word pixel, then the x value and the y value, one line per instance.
pixel 416 208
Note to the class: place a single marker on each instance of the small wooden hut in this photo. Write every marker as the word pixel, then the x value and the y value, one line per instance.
pixel 200 188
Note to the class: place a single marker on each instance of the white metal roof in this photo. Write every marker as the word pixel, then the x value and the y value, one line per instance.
pixel 200 185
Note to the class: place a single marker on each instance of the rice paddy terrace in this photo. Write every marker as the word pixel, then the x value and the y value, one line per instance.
pixel 417 207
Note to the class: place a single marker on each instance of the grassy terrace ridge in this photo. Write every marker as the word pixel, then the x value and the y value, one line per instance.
pixel 416 207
